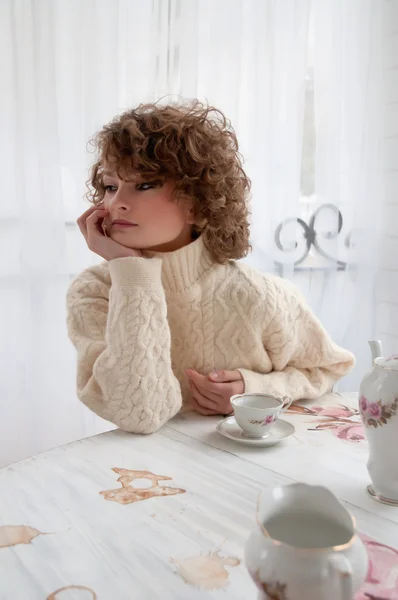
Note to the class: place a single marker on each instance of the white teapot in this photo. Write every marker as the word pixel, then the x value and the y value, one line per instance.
pixel 305 546
pixel 378 406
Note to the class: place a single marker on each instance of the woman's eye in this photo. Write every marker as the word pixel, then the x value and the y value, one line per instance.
pixel 142 187
pixel 110 188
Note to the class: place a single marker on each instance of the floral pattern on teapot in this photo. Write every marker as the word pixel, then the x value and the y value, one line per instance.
pixel 376 414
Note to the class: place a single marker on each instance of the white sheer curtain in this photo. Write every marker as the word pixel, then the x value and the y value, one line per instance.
pixel 248 58
pixel 348 84
pixel 72 65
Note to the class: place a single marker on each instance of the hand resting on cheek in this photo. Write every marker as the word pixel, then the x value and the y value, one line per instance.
pixel 92 224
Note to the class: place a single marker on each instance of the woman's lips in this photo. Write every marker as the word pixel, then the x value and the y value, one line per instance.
pixel 120 224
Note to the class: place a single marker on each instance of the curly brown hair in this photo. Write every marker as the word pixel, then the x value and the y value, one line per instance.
pixel 195 146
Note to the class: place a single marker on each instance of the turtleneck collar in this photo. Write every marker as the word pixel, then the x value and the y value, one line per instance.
pixel 184 267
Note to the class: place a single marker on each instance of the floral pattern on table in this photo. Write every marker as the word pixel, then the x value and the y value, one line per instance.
pixel 339 419
pixel 382 579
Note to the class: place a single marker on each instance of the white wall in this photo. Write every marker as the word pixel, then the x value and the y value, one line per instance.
pixel 386 322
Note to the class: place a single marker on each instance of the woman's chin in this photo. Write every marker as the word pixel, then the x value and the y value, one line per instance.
pixel 123 239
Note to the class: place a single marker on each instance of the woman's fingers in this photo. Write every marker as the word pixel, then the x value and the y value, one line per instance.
pixel 95 217
pixel 203 382
pixel 92 223
pixel 89 224
pixel 209 394
pixel 203 400
pixel 203 411
pixel 82 220
pixel 95 236
pixel 198 402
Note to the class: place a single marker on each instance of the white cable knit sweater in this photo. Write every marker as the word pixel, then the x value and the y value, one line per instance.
pixel 139 323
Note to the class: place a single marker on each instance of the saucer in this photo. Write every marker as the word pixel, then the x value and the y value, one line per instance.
pixel 382 499
pixel 280 430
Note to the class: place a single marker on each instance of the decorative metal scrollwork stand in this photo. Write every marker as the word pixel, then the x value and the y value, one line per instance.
pixel 313 238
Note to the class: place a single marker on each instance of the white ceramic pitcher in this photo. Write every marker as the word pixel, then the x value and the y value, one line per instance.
pixel 305 546
pixel 378 406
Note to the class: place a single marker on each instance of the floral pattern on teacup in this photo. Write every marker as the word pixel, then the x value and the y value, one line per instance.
pixel 376 414
pixel 267 421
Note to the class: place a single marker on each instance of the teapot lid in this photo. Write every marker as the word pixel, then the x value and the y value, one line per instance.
pixel 388 363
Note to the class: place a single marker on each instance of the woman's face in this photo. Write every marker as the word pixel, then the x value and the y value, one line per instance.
pixel 146 215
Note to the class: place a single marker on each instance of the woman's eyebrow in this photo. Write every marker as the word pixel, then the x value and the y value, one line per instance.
pixel 112 174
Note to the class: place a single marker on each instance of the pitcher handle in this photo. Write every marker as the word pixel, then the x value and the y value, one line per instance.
pixel 286 402
pixel 341 570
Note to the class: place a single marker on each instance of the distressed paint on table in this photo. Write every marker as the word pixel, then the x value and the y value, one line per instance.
pixel 144 550
pixel 312 456
pixel 126 551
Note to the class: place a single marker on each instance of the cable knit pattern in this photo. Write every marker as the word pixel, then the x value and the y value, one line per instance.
pixel 139 323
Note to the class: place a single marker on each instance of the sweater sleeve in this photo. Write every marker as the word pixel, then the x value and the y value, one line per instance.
pixel 305 361
pixel 122 339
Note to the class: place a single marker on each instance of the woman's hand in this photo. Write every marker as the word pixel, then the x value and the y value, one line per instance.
pixel 211 394
pixel 90 225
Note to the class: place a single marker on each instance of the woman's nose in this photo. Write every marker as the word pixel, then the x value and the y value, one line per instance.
pixel 119 200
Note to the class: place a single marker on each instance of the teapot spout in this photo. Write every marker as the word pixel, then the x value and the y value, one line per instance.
pixel 376 349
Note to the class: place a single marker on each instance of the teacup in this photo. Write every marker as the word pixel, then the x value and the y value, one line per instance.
pixel 257 413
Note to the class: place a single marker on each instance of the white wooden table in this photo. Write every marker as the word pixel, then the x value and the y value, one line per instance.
pixel 67 532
